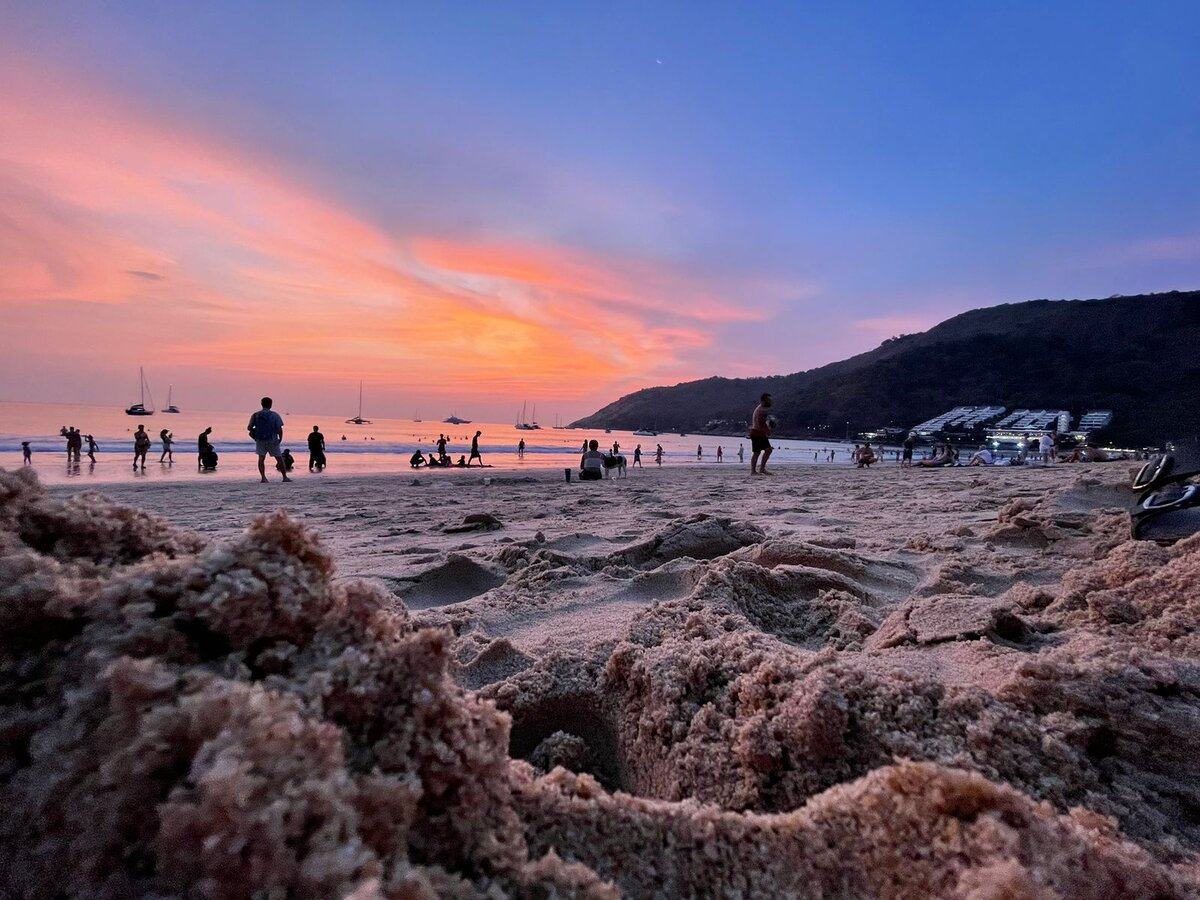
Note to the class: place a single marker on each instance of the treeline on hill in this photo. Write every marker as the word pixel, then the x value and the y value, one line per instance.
pixel 1138 356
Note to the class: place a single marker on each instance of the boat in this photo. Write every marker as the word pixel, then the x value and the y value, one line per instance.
pixel 522 425
pixel 646 432
pixel 139 409
pixel 359 420
pixel 417 416
pixel 170 407
pixel 558 426
pixel 455 420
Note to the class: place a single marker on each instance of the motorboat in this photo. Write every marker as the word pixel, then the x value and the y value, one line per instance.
pixel 455 420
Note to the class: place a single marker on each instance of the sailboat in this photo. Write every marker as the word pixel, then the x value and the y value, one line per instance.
pixel 171 407
pixel 359 420
pixel 558 426
pixel 528 426
pixel 139 409
pixel 417 416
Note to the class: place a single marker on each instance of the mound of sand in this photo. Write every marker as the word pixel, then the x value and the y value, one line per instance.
pixel 225 719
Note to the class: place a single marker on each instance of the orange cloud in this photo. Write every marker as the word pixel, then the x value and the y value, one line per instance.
pixel 232 265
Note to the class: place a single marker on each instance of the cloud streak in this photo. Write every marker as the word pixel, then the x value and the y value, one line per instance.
pixel 234 265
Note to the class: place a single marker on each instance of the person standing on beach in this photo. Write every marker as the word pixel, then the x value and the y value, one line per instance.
pixel 699 452
pixel 202 447
pixel 760 434
pixel 141 444
pixel 658 455
pixel 521 449
pixel 1046 446
pixel 266 427
pixel 720 453
pixel 741 453
pixel 475 449
pixel 906 462
pixel 26 454
pixel 92 448
pixel 74 444
pixel 167 440
pixel 316 450
pixel 616 450
pixel 637 456
pixel 441 445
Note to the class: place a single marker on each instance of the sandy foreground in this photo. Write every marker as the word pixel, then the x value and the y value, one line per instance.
pixel 830 683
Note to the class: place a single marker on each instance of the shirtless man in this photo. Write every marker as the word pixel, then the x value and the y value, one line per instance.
pixel 760 433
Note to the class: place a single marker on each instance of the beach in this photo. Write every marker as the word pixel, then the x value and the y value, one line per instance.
pixel 686 682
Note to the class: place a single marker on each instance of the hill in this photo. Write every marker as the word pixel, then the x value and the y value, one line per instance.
pixel 1138 356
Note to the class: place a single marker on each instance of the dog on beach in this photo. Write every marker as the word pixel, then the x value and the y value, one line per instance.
pixel 614 462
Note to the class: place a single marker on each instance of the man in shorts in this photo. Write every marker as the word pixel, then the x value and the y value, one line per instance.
pixel 475 450
pixel 760 433
pixel 266 427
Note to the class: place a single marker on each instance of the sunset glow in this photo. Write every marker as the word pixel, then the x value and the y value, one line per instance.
pixel 235 234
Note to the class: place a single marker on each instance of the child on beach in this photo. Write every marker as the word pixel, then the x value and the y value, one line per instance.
pixel 26 454
pixel 167 439
pixel 92 448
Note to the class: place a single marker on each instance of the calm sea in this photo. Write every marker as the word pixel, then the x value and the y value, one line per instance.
pixel 382 446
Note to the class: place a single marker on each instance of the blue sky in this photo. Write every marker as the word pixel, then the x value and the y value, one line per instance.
pixel 838 173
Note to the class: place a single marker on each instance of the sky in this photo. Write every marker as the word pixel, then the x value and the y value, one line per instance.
pixel 469 206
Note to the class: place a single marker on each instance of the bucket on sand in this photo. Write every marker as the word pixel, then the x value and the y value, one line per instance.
pixel 567 472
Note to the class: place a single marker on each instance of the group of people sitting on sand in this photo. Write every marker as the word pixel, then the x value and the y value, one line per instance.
pixel 442 461
pixel 864 456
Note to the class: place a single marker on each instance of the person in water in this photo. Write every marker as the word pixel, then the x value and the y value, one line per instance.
pixel 202 447
pixel 521 449
pixel 141 444
pixel 316 450
pixel 475 455
pixel 266 427
pixel 760 436
pixel 462 462
pixel 289 461
pixel 591 463
pixel 92 447
pixel 74 444
pixel 26 454
pixel 418 459
pixel 167 440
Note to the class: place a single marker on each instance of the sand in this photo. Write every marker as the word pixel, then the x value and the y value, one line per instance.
pixel 830 683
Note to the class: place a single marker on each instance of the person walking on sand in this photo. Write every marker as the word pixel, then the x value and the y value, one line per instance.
pixel 26 454
pixel 266 427
pixel 760 434
pixel 167 440
pixel 658 455
pixel 92 448
pixel 637 456
pixel 475 450
pixel 141 444
pixel 316 450
pixel 521 449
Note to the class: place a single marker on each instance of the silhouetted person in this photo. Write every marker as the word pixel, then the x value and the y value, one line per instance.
pixel 637 456
pixel 316 450
pixel 289 462
pixel 203 446
pixel 658 454
pixel 266 427
pixel 521 449
pixel 26 454
pixel 167 440
pixel 418 459
pixel 92 448
pixel 475 450
pixel 760 433
pixel 141 444
pixel 74 444
pixel 441 445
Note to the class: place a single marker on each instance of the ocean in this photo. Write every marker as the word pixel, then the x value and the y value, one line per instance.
pixel 382 446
